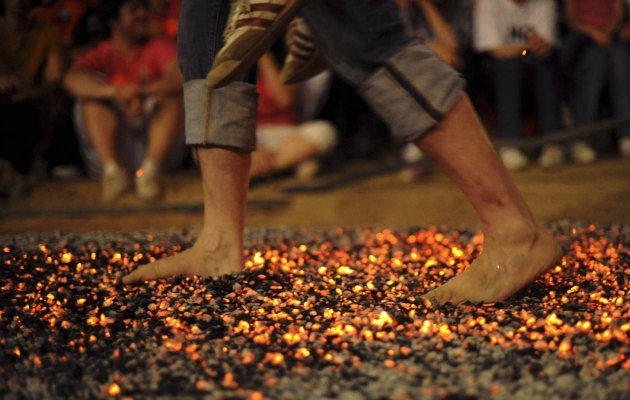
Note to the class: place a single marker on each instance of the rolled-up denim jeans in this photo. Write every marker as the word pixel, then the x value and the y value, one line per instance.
pixel 221 117
pixel 364 41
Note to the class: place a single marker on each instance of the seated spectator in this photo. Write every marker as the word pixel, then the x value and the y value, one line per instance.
pixel 129 113
pixel 520 36
pixel 599 60
pixel 31 69
pixel 284 141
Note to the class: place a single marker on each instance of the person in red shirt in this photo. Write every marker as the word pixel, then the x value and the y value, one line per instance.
pixel 129 111
pixel 284 140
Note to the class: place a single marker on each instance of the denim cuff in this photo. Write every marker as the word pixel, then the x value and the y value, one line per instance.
pixel 412 91
pixel 221 117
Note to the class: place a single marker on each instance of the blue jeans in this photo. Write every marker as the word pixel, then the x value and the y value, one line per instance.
pixel 364 41
pixel 596 67
pixel 509 95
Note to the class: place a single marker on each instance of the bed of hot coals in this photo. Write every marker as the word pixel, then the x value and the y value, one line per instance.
pixel 315 314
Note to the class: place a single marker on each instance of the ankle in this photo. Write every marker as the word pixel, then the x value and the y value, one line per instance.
pixel 111 167
pixel 515 230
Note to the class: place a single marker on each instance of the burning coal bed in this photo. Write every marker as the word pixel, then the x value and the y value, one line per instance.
pixel 315 314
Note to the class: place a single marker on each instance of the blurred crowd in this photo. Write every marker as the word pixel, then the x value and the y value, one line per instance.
pixel 92 87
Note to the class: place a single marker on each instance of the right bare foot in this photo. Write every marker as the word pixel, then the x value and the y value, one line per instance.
pixel 205 258
pixel 509 262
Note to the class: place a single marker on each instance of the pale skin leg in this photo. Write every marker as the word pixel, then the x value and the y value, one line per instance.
pixel 295 149
pixel 219 248
pixel 101 123
pixel 515 241
pixel 517 248
pixel 165 127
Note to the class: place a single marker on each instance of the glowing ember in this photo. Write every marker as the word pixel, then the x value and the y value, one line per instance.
pixel 335 313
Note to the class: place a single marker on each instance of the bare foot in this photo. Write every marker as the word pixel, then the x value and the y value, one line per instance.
pixel 507 264
pixel 205 258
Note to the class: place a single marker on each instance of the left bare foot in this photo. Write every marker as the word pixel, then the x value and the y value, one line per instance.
pixel 207 257
pixel 507 264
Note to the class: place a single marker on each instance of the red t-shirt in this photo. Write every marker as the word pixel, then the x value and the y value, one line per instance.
pixel 268 111
pixel 596 13
pixel 145 65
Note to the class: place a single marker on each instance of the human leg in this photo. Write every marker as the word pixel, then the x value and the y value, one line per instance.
pixel 517 247
pixel 220 123
pixel 286 146
pixel 98 125
pixel 218 249
pixel 547 95
pixel 163 131
pixel 509 111
pixel 421 99
pixel 101 123
pixel 619 84
pixel 590 79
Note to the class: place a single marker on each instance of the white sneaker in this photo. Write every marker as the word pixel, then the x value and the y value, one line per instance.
pixel 552 155
pixel 624 147
pixel 582 153
pixel 115 181
pixel 411 154
pixel 148 181
pixel 513 158
pixel 308 169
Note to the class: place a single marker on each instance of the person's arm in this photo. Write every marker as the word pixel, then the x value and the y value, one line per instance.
pixel 445 42
pixel 86 85
pixel 541 41
pixel 440 28
pixel 283 95
pixel 617 18
pixel 170 83
pixel 53 74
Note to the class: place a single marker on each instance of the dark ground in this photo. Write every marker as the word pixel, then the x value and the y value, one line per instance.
pixel 329 305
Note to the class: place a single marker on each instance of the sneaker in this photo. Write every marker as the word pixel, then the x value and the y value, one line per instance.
pixel 582 153
pixel 253 26
pixel 304 61
pixel 115 181
pixel 148 181
pixel 551 156
pixel 513 158
pixel 411 154
pixel 624 147
pixel 308 169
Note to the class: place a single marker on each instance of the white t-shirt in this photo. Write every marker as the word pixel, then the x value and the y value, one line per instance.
pixel 498 23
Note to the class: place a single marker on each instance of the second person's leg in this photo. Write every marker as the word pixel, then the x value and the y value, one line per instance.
pixel 220 123
pixel 422 101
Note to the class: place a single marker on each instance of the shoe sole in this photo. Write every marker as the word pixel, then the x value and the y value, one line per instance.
pixel 219 77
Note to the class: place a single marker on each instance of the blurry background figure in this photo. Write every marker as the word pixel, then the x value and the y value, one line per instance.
pixel 163 15
pixel 520 36
pixel 32 103
pixel 445 27
pixel 599 62
pixel 287 135
pixel 624 36
pixel 62 14
pixel 129 113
